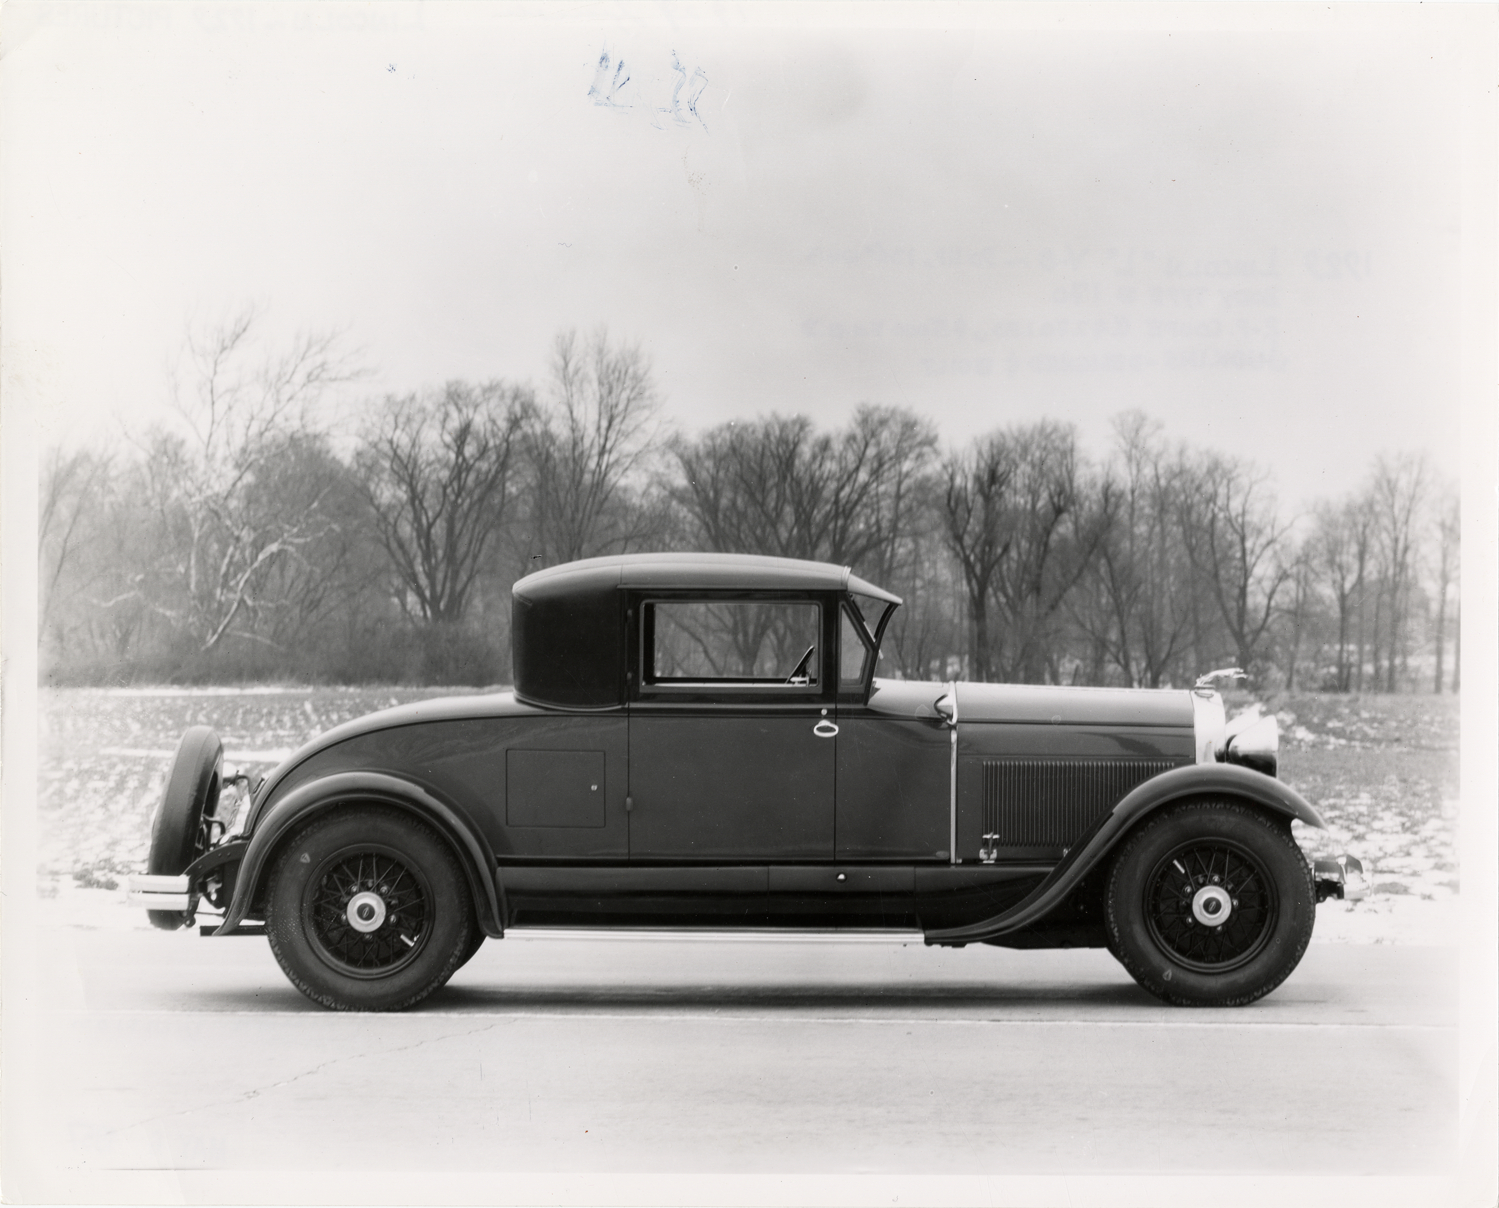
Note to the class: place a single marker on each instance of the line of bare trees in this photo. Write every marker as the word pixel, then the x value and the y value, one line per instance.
pixel 244 543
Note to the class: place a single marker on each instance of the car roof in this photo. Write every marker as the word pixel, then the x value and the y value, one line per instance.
pixel 696 570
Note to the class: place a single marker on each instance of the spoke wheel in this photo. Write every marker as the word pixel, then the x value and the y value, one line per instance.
pixel 1209 903
pixel 367 912
pixel 368 909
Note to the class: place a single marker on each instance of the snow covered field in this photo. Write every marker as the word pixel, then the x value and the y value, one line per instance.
pixel 1383 770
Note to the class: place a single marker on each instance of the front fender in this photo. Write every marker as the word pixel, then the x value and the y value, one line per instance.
pixel 1194 780
pixel 317 795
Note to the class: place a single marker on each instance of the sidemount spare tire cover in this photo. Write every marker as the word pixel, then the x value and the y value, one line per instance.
pixel 177 833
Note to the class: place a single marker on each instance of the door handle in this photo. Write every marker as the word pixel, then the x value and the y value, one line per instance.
pixel 824 729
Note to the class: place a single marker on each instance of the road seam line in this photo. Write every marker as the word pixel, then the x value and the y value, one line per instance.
pixel 655 1015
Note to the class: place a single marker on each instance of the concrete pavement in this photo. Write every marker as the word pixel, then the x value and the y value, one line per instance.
pixel 165 1052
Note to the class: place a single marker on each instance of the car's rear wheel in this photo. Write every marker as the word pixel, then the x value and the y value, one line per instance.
pixel 1210 903
pixel 473 946
pixel 368 910
pixel 178 832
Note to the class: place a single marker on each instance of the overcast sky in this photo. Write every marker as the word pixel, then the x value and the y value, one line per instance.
pixel 1252 234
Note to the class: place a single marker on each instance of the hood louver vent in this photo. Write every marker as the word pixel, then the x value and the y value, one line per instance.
pixel 1050 803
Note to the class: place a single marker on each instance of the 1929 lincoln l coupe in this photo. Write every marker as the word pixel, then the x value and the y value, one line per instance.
pixel 699 742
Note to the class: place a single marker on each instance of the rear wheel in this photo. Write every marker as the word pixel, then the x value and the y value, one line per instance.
pixel 473 946
pixel 368 910
pixel 1210 903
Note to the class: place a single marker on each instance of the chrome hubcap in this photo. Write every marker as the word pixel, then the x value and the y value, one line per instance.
pixel 1211 905
pixel 366 912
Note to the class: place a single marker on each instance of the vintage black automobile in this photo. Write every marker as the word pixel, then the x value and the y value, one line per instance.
pixel 698 741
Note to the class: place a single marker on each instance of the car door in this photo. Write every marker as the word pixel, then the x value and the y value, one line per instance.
pixel 731 733
pixel 894 757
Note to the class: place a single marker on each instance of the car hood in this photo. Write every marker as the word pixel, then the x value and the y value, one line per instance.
pixel 1074 706
pixel 1036 704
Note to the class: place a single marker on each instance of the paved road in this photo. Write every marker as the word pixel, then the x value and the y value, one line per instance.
pixel 164 1051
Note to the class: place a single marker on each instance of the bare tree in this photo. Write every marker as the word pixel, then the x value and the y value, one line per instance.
pixel 778 486
pixel 1236 542
pixel 900 524
pixel 1339 550
pixel 1360 521
pixel 1141 608
pixel 587 447
pixel 1449 553
pixel 73 485
pixel 1397 493
pixel 439 473
pixel 756 487
pixel 975 505
pixel 926 633
pixel 322 576
pixel 882 489
pixel 1300 607
pixel 1057 520
pixel 238 405
pixel 1023 528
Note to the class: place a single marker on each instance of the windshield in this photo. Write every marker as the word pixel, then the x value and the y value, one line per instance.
pixel 871 611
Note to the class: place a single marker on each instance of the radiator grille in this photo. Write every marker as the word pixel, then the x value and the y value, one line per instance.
pixel 1051 802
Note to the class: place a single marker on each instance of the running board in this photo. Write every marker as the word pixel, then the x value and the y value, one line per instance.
pixel 763 935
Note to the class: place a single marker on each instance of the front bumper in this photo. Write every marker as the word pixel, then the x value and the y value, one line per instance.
pixel 162 893
pixel 1342 878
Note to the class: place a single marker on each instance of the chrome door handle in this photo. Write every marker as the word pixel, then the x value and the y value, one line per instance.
pixel 824 729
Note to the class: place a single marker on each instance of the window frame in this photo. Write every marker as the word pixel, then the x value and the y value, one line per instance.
pixel 872 642
pixel 847 610
pixel 728 691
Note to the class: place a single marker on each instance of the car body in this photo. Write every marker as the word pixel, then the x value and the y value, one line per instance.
pixel 698 741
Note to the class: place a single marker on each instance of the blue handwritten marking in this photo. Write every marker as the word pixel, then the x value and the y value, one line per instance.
pixel 699 82
pixel 603 90
pixel 608 89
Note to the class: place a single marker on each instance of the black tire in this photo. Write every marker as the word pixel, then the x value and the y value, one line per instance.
pixel 1198 862
pixel 473 946
pixel 178 832
pixel 418 919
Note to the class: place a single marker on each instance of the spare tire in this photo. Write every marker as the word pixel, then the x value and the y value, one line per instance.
pixel 178 833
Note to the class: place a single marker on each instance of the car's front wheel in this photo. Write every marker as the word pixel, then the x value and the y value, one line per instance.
pixel 368 910
pixel 1210 903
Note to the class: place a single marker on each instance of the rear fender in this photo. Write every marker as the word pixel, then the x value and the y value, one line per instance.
pixel 306 801
pixel 1179 784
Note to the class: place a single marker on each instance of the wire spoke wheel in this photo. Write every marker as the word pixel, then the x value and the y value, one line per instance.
pixel 367 913
pixel 1210 905
pixel 368 909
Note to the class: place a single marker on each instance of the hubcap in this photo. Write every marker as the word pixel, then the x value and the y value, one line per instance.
pixel 366 912
pixel 1210 905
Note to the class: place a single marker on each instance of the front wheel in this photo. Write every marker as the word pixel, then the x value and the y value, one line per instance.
pixel 368 910
pixel 1210 904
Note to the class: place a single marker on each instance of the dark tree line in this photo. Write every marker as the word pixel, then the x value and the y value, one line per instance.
pixel 242 543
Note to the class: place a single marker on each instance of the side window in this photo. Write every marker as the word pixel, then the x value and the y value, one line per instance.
pixel 872 611
pixel 733 642
pixel 853 654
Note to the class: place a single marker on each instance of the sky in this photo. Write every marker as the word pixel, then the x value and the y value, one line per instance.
pixel 1247 222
